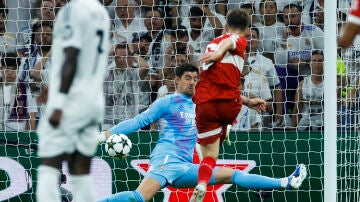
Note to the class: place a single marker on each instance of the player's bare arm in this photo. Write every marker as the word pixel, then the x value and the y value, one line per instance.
pixel 348 34
pixel 254 103
pixel 67 77
pixel 225 45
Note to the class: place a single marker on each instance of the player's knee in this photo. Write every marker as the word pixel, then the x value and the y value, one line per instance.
pixel 79 164
pixel 55 162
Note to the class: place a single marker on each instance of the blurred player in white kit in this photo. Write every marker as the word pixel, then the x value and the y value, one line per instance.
pixel 75 104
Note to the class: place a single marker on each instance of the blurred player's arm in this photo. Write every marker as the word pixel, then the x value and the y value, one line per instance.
pixel 224 45
pixel 68 71
pixel 348 34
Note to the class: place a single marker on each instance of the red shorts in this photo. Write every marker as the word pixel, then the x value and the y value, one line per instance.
pixel 213 117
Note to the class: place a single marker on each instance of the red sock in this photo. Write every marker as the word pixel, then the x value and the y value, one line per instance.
pixel 205 170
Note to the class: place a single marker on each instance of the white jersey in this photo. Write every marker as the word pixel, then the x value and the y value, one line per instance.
pixel 313 110
pixel 269 36
pixel 257 84
pixel 264 64
pixel 81 24
pixel 84 25
pixel 312 37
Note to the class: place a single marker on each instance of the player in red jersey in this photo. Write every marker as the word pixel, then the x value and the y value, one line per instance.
pixel 352 27
pixel 217 94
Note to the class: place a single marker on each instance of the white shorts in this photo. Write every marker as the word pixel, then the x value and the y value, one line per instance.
pixel 75 133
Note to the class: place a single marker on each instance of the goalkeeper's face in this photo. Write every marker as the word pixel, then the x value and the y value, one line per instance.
pixel 186 83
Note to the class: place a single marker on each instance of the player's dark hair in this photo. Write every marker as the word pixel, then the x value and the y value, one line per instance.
pixel 10 60
pixel 318 52
pixel 263 2
pixel 248 6
pixel 292 5
pixel 238 19
pixel 196 12
pixel 123 46
pixel 187 67
pixel 256 30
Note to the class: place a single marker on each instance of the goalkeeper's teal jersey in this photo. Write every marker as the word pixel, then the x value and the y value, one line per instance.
pixel 175 115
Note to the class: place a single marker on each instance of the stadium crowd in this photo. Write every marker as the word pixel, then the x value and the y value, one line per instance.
pixel 284 62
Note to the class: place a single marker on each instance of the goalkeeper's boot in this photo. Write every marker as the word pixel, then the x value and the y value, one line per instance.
pixel 297 177
pixel 199 193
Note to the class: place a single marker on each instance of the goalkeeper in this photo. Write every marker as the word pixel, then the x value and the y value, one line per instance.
pixel 171 160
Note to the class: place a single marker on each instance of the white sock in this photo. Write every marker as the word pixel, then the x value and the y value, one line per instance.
pixel 83 190
pixel 284 181
pixel 48 186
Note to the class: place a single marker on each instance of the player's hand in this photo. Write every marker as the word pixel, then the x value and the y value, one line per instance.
pixel 55 118
pixel 258 104
pixel 209 57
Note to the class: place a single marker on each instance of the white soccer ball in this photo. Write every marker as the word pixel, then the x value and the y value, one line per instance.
pixel 118 145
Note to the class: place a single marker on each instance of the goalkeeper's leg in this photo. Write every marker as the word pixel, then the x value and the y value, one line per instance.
pixel 145 192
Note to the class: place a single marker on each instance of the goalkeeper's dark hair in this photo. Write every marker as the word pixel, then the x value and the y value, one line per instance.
pixel 187 67
pixel 238 19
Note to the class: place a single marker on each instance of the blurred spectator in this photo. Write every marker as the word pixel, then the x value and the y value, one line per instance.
pixel 270 29
pixel 15 102
pixel 260 63
pixel 7 39
pixel 19 14
pixel 255 85
pixel 299 40
pixel 209 21
pixel 199 37
pixel 42 40
pixel 127 92
pixel 140 45
pixel 169 82
pixel 309 99
pixel 180 11
pixel 251 11
pixel 179 45
pixel 127 23
pixel 44 12
pixel 59 4
pixel 155 29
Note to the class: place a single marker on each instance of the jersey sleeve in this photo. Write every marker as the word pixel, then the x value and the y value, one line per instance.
pixel 71 31
pixel 153 113
pixel 240 45
pixel 354 16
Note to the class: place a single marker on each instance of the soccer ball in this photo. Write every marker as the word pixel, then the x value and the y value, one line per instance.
pixel 118 145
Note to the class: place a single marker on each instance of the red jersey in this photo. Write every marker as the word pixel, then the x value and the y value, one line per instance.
pixel 354 16
pixel 221 79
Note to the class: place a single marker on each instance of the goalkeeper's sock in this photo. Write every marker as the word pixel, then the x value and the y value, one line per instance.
pixel 48 188
pixel 125 196
pixel 253 181
pixel 205 170
pixel 83 189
